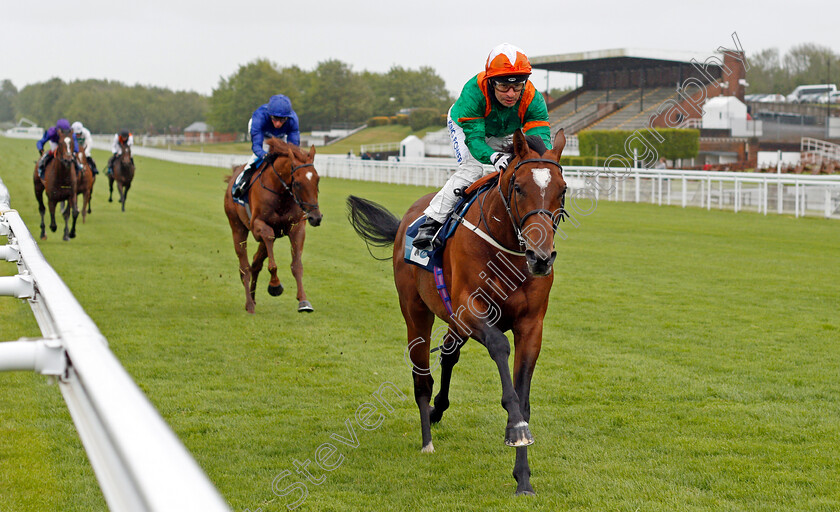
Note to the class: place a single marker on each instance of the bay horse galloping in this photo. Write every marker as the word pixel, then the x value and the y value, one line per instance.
pixel 60 182
pixel 122 173
pixel 283 195
pixel 498 266
pixel 85 183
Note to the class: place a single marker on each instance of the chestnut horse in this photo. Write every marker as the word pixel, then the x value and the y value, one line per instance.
pixel 122 172
pixel 283 195
pixel 60 183
pixel 498 267
pixel 85 183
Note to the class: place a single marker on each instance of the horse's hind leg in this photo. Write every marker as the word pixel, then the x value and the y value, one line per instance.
pixel 418 321
pixel 449 356
pixel 110 189
pixel 240 245
pixel 39 195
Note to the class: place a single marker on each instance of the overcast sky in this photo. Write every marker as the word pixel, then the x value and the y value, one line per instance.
pixel 190 45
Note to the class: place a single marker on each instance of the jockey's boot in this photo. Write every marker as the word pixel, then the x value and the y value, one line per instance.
pixel 240 186
pixel 92 165
pixel 426 234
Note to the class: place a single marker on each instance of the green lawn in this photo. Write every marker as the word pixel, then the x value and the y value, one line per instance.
pixel 689 362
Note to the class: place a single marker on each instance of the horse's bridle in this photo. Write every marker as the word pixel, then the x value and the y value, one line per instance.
pixel 517 227
pixel 306 207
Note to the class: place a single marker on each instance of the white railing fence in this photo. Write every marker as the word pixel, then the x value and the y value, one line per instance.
pixel 140 464
pixel 792 194
pixel 816 150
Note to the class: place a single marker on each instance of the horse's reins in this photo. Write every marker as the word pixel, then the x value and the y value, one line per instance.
pixel 506 201
pixel 288 187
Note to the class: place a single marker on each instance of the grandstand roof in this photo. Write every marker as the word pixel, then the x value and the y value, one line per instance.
pixel 598 60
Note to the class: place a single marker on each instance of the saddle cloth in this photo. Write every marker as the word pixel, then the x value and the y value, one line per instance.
pixel 428 260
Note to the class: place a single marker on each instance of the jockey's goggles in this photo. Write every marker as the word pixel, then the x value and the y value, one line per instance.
pixel 505 87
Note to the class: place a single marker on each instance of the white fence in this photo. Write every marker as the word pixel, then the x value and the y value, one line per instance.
pixel 140 464
pixel 793 194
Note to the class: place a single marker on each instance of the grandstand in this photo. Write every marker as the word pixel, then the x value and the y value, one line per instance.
pixel 623 88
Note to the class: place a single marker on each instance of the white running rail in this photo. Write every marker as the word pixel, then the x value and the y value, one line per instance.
pixel 816 150
pixel 140 464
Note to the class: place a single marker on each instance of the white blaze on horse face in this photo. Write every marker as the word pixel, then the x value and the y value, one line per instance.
pixel 309 175
pixel 542 177
pixel 67 143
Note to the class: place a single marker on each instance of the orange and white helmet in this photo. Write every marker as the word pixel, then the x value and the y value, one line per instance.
pixel 507 60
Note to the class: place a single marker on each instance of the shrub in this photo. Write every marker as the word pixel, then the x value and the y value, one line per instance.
pixel 378 121
pixel 420 118
pixel 677 143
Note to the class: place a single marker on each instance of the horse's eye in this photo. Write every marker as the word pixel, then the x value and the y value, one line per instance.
pixel 517 188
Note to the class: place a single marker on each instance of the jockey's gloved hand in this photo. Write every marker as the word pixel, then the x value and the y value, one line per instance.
pixel 500 161
pixel 41 152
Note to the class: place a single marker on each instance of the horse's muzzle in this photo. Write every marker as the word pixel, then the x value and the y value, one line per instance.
pixel 539 266
pixel 314 217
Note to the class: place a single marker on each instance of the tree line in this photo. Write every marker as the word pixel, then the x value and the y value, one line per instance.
pixel 773 73
pixel 330 94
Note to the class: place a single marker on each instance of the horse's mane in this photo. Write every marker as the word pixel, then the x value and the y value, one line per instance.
pixel 535 142
pixel 278 147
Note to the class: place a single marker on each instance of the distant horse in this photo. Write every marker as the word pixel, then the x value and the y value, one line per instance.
pixel 85 184
pixel 283 195
pixel 60 183
pixel 498 267
pixel 122 173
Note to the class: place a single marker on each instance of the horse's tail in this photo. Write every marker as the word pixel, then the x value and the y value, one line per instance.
pixel 376 225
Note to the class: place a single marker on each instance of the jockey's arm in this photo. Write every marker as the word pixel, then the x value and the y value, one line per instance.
pixel 475 138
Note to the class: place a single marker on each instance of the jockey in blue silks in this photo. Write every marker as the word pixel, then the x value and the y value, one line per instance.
pixel 52 135
pixel 274 119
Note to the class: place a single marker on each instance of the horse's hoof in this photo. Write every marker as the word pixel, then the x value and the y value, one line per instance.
pixel 429 448
pixel 519 435
pixel 110 200
pixel 53 228
pixel 527 492
pixel 305 307
pixel 72 235
pixel 274 291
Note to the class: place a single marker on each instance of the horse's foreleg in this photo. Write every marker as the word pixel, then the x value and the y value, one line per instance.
pixel 256 268
pixel 517 432
pixel 73 206
pixel 53 225
pixel 265 234
pixel 297 235
pixel 110 189
pixel 124 194
pixel 527 342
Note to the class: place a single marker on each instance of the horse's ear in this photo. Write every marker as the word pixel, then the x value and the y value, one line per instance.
pixel 520 144
pixel 559 144
pixel 311 152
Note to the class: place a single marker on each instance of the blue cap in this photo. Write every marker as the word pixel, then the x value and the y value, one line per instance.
pixel 63 124
pixel 279 106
